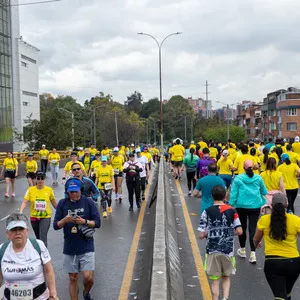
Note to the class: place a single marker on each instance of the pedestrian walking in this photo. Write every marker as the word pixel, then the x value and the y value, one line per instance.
pixel 9 172
pixel 54 159
pixel 144 175
pixel 190 162
pixel 31 169
pixel 282 260
pixel 78 216
pixel 132 169
pixel 247 196
pixel 40 197
pixel 44 153
pixel 219 223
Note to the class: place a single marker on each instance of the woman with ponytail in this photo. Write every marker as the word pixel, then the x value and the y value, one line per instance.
pixel 190 163
pixel 247 196
pixel 290 172
pixel 263 159
pixel 282 260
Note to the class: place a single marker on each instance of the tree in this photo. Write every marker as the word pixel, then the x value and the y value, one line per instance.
pixel 150 108
pixel 219 133
pixel 134 102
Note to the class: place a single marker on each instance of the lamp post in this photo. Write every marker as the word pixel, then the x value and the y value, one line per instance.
pixel 227 108
pixel 160 78
pixel 72 113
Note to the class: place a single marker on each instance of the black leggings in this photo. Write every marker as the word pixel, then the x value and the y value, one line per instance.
pixel 191 179
pixel 133 187
pixel 250 215
pixel 281 274
pixel 105 198
pixel 291 195
pixel 44 165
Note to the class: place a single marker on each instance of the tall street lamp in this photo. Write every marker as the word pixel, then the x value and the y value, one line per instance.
pixel 160 78
pixel 227 108
pixel 72 113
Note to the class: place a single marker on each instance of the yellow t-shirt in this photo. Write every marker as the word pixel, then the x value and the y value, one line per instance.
pixel 257 153
pixel 10 164
pixel 31 166
pixel 95 165
pixel 80 154
pixel 68 166
pixel 117 162
pixel 239 162
pixel 271 179
pixel 40 201
pixel 213 152
pixel 286 248
pixel 44 153
pixel 93 151
pixel 262 164
pixel 294 157
pixel 256 162
pixel 147 155
pixel 289 175
pixel 106 152
pixel 86 163
pixel 232 154
pixel 203 145
pixel 104 175
pixel 192 146
pixel 224 166
pixel 274 155
pixel 178 152
pixel 122 152
pixel 296 147
pixel 54 157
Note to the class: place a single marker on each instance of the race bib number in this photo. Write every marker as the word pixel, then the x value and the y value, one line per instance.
pixel 116 171
pixel 22 291
pixel 107 186
pixel 40 205
pixel 44 157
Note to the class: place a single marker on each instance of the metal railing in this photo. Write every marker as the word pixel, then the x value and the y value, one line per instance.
pixel 22 156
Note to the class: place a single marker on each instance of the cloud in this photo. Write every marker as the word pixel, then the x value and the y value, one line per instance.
pixel 245 49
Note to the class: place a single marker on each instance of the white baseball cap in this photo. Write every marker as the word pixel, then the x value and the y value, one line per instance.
pixel 14 224
pixel 297 138
pixel 225 152
pixel 116 149
pixel 132 145
pixel 137 150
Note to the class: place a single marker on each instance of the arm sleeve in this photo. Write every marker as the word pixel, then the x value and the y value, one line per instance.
pixel 27 195
pixel 58 215
pixel 234 193
pixel 203 222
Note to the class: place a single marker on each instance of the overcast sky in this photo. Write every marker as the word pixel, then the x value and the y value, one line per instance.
pixel 244 48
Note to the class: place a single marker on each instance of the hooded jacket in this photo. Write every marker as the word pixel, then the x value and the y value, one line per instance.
pixel 248 192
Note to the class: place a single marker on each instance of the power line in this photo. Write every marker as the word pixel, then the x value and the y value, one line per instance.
pixel 33 3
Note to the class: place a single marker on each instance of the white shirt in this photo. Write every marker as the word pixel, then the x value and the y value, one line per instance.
pixel 143 161
pixel 25 266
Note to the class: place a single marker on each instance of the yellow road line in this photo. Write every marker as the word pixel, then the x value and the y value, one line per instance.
pixel 203 281
pixel 127 278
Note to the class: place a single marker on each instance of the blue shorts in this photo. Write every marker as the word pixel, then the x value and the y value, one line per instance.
pixel 227 179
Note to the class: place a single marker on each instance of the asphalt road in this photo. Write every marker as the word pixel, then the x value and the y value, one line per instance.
pixel 112 242
pixel 249 283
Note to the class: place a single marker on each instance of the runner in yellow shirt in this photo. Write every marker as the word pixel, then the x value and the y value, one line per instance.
pixel 106 152
pixel 294 157
pixel 40 197
pixel 192 145
pixel 239 161
pixel 213 151
pixel 54 159
pixel 95 165
pixel 68 167
pixel 10 172
pixel 93 149
pixel 178 153
pixel 147 154
pixel 117 161
pixel 31 169
pixel 44 153
pixel 106 184
pixel 80 153
pixel 202 143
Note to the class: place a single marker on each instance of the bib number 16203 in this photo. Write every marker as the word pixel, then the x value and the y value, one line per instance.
pixel 21 292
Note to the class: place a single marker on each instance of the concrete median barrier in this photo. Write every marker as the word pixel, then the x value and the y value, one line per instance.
pixel 166 279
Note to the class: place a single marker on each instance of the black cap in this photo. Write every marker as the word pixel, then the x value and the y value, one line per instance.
pixel 98 154
pixel 131 155
pixel 40 174
pixel 73 153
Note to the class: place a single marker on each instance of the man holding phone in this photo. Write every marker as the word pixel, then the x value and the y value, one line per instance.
pixel 78 216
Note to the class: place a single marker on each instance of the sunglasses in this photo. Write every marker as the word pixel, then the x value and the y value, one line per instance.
pixel 40 178
pixel 76 169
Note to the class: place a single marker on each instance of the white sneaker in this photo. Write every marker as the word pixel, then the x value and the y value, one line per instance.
pixel 241 252
pixel 189 193
pixel 252 259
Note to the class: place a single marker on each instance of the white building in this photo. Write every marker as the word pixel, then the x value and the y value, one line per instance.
pixel 19 79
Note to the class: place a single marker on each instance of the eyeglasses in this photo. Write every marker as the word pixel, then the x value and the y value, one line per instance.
pixel 40 178
pixel 76 169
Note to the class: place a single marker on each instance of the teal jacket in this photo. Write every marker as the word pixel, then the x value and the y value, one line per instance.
pixel 191 163
pixel 248 192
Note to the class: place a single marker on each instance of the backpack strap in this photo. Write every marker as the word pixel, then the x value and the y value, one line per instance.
pixel 35 245
pixel 2 250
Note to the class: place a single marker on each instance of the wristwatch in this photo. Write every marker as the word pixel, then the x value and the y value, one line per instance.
pixel 87 222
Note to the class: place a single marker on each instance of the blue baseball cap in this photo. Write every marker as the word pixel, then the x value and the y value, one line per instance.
pixel 103 158
pixel 73 186
pixel 285 156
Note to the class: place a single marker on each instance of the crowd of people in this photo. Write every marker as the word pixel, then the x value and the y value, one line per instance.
pixel 88 176
pixel 246 188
